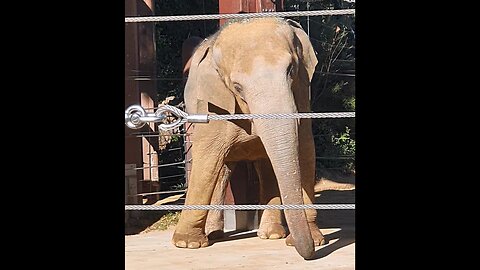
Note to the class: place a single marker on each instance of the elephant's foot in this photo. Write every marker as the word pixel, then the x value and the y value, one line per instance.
pixel 194 238
pixel 317 236
pixel 271 231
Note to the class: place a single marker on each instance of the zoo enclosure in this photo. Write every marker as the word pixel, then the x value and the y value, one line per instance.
pixel 150 168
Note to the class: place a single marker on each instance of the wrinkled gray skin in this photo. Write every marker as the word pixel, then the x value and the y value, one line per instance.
pixel 256 66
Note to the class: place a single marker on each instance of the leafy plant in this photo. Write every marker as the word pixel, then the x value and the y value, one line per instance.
pixel 333 85
pixel 179 186
pixel 166 221
pixel 345 143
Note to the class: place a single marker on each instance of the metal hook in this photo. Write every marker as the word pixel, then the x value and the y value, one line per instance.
pixel 136 117
pixel 133 116
pixel 181 117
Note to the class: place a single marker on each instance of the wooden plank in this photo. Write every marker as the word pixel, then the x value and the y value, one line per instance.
pixel 169 199
pixel 140 62
pixel 159 192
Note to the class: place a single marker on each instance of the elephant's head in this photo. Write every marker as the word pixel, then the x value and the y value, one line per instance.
pixel 261 66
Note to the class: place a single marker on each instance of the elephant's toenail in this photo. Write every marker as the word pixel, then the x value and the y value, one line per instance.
pixel 194 245
pixel 274 236
pixel 181 244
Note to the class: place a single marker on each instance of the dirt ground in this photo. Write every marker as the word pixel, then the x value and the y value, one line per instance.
pixel 244 250
pixel 153 250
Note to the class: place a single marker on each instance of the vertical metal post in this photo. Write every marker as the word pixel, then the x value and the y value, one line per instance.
pixel 188 48
pixel 308 19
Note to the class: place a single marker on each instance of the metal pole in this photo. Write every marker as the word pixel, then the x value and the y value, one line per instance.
pixel 308 19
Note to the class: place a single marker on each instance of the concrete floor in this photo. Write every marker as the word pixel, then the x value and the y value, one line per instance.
pixel 244 250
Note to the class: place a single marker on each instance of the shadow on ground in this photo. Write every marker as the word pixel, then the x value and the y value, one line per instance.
pixel 345 238
pixel 233 235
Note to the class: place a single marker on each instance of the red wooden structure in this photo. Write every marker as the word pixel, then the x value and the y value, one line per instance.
pixel 248 6
pixel 140 89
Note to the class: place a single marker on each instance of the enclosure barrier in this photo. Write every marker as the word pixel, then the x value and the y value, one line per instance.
pixel 239 16
pixel 240 207
pixel 136 117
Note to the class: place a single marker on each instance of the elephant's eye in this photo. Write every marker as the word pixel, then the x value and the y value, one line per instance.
pixel 237 87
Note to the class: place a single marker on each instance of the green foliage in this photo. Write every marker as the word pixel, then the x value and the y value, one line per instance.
pixel 175 138
pixel 180 186
pixel 333 85
pixel 349 103
pixel 345 143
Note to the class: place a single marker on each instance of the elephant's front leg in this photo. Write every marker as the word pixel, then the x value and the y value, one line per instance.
pixel 271 221
pixel 208 157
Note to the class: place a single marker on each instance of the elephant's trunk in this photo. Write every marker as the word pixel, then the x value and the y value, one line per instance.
pixel 280 139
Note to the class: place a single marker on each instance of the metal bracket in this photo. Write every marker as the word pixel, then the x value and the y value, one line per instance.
pixel 136 117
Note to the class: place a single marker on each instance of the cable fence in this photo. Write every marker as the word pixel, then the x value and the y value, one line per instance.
pixel 136 117
pixel 239 16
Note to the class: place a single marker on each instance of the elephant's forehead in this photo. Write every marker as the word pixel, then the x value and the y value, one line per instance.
pixel 240 44
pixel 259 66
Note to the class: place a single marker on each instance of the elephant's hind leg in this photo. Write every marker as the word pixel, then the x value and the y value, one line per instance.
pixel 215 218
pixel 271 221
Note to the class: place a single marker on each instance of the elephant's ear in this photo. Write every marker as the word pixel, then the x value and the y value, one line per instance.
pixel 307 52
pixel 205 87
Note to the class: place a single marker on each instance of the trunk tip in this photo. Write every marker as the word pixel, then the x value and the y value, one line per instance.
pixel 306 250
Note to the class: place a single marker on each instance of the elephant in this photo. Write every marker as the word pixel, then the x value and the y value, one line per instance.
pixel 262 65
